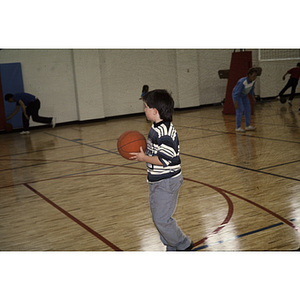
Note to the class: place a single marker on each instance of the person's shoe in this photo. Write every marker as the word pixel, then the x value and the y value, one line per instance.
pixel 250 127
pixel 24 132
pixel 189 248
pixel 53 123
pixel 278 98
pixel 240 129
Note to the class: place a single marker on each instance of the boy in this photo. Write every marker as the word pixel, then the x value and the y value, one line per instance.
pixel 30 106
pixel 293 82
pixel 164 170
pixel 241 101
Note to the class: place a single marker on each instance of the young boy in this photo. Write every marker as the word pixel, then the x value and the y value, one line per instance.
pixel 164 170
pixel 30 106
pixel 293 82
pixel 241 101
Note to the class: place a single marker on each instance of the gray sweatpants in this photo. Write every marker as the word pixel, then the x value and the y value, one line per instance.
pixel 163 196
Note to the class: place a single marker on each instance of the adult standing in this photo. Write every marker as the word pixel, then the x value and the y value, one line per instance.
pixel 241 101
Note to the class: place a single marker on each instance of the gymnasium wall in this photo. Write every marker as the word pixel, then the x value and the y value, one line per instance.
pixel 49 75
pixel 83 84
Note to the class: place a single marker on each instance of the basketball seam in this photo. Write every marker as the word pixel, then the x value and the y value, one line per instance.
pixel 128 144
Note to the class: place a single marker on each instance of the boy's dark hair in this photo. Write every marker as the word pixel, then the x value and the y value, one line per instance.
pixel 298 64
pixel 162 101
pixel 252 70
pixel 8 96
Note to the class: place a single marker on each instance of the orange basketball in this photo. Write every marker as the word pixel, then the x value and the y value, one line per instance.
pixel 8 127
pixel 131 141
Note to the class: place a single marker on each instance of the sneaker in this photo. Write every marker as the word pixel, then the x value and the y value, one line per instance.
pixel 290 102
pixel 250 127
pixel 53 122
pixel 240 129
pixel 24 132
pixel 189 248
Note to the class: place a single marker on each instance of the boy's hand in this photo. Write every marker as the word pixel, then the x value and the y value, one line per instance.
pixel 139 156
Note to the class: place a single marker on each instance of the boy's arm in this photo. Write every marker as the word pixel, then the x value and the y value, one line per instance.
pixel 14 112
pixel 141 156
pixel 21 103
pixel 237 92
pixel 283 78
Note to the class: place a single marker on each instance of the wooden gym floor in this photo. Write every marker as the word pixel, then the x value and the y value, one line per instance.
pixel 67 188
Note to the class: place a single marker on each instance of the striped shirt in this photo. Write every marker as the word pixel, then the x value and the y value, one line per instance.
pixel 163 142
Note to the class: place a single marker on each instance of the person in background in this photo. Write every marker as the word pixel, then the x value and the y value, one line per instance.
pixel 293 82
pixel 144 91
pixel 30 105
pixel 241 102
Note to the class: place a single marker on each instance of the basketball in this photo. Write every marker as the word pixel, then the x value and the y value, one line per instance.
pixel 282 100
pixel 8 127
pixel 131 141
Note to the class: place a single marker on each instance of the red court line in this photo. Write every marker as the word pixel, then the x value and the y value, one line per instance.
pixel 265 209
pixel 230 210
pixel 90 230
pixel 229 213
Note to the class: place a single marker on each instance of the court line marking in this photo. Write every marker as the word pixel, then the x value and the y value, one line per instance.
pixel 240 167
pixel 90 230
pixel 240 236
pixel 83 144
pixel 222 191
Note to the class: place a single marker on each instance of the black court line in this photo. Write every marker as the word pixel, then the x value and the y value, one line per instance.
pixel 280 165
pixel 234 133
pixel 241 235
pixel 239 167
pixel 36 151
pixel 76 141
pixel 47 162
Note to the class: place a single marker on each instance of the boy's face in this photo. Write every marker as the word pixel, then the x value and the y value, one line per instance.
pixel 11 100
pixel 149 112
pixel 252 76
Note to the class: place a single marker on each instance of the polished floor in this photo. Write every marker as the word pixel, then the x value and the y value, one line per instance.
pixel 67 188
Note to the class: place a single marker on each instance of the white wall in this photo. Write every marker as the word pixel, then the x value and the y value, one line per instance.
pixel 49 75
pixel 88 87
pixel 84 84
pixel 212 89
pixel 124 72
